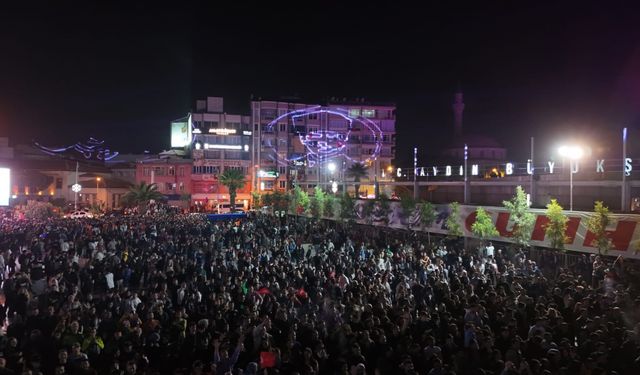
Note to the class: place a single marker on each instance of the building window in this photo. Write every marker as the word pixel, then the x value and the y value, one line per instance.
pixel 169 186
pixel 283 184
pixel 181 171
pixel 283 127
pixel 354 112
pixel 232 154
pixel 58 183
pixel 145 171
pixel 172 171
pixel 282 170
pixel 313 116
pixel 369 112
pixel 269 114
pixel 268 185
pixel 181 186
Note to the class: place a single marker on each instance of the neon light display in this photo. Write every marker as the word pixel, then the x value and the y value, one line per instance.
pixel 326 141
pixel 91 149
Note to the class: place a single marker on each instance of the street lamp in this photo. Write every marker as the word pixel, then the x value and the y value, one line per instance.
pixel 332 168
pixel 97 181
pixel 573 153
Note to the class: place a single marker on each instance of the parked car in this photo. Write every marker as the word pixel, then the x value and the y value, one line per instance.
pixel 226 208
pixel 78 215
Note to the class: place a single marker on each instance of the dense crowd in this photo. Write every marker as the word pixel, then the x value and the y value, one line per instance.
pixel 178 294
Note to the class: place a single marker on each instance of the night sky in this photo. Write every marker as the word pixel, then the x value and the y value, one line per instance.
pixel 122 72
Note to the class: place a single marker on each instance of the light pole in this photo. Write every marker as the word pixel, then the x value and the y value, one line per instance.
pixel 376 184
pixel 76 189
pixel 97 181
pixel 332 168
pixel 573 153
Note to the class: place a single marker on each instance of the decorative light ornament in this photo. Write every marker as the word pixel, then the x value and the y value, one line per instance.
pixel 76 188
pixel 321 145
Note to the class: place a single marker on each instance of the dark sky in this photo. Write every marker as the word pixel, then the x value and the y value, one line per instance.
pixel 118 71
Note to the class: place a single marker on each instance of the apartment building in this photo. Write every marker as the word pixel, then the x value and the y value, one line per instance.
pixel 314 144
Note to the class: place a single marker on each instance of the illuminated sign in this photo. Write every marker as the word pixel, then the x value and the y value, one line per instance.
pixel 246 132
pixel 222 131
pixel 513 169
pixel 180 133
pixel 222 147
pixel 5 186
pixel 267 174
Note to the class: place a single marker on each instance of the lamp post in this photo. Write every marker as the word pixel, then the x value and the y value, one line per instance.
pixel 332 168
pixel 376 184
pixel 76 189
pixel 97 181
pixel 573 153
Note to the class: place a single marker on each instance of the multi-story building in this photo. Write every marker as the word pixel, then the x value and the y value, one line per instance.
pixel 172 176
pixel 310 144
pixel 217 141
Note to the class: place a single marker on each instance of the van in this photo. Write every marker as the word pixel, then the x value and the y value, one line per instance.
pixel 226 208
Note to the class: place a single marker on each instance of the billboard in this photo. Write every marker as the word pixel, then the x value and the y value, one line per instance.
pixel 181 132
pixel 623 229
pixel 5 186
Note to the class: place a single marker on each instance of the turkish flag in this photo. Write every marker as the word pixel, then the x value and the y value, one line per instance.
pixel 263 290
pixel 267 359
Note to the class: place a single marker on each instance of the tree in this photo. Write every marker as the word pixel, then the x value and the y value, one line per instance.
pixel 38 210
pixel 233 179
pixel 357 171
pixel 483 227
pixel 141 194
pixel 384 207
pixel 255 198
pixel 597 224
pixel 408 207
pixel 280 201
pixel 556 228
pixel 367 210
pixel 427 217
pixel 299 201
pixel 347 206
pixel 453 221
pixel 523 219
pixel 316 207
pixel 329 206
pixel 266 200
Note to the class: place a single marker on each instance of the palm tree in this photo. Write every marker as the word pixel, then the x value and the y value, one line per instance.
pixel 357 171
pixel 141 194
pixel 233 179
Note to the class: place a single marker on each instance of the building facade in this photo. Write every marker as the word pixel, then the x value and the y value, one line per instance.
pixel 313 145
pixel 172 177
pixel 213 141
pixel 38 176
